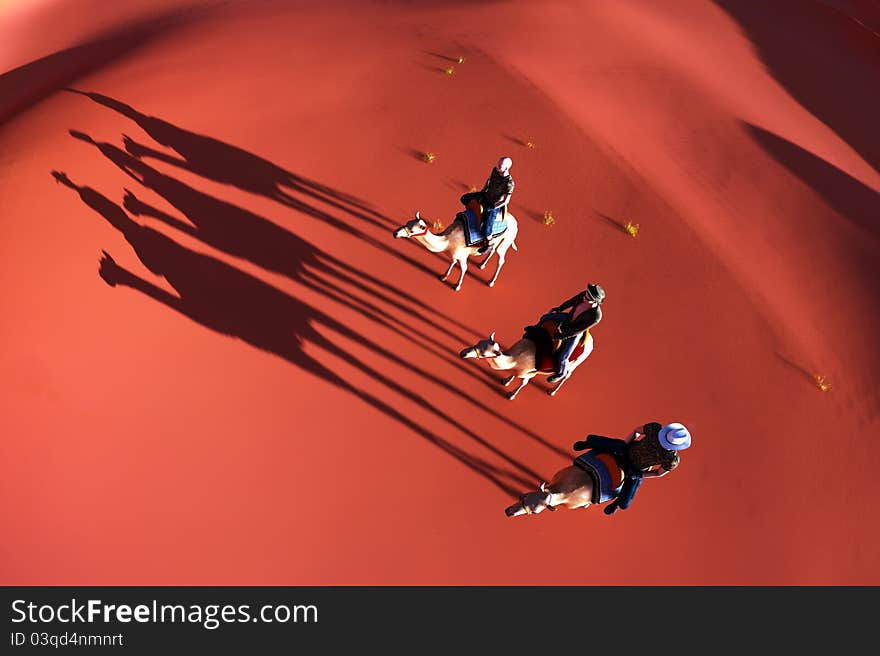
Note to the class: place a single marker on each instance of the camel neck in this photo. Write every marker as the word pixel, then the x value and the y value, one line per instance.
pixel 502 362
pixel 434 243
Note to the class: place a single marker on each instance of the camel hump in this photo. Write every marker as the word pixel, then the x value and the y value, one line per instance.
pixel 542 335
pixel 473 230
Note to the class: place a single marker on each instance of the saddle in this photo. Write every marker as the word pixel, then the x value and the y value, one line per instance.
pixel 472 222
pixel 546 346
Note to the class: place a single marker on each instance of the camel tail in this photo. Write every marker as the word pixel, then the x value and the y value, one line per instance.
pixel 513 244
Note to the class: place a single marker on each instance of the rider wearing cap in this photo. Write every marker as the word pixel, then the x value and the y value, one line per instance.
pixel 584 314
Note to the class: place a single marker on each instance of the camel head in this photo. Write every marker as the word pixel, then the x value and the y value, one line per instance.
pixel 531 503
pixel 485 348
pixel 412 228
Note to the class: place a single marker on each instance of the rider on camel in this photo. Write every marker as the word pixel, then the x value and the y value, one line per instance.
pixel 610 470
pixel 493 197
pixel 584 314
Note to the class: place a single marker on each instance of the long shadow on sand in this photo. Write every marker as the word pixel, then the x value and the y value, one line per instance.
pixel 26 85
pixel 615 223
pixel 852 199
pixel 827 62
pixel 225 299
pixel 225 163
pixel 804 372
pixel 244 234
pixel 240 232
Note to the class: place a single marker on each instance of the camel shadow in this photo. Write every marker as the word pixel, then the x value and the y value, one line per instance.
pixel 227 164
pixel 247 235
pixel 229 301
pixel 244 234
pixel 221 162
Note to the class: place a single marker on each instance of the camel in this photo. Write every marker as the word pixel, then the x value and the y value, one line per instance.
pixel 520 361
pixel 609 470
pixel 452 241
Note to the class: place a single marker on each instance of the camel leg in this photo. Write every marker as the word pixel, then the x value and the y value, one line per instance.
pixel 553 391
pixel 463 266
pixel 507 381
pixel 486 259
pixel 570 371
pixel 501 256
pixel 512 395
pixel 448 271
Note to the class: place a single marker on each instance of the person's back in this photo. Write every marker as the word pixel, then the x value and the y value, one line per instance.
pixel 499 185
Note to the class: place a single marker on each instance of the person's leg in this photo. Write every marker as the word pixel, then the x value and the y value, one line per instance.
pixel 558 317
pixel 488 226
pixel 565 350
pixel 467 198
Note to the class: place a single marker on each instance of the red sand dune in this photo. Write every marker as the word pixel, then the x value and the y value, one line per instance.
pixel 275 396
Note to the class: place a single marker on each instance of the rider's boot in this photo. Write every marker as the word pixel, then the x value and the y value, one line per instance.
pixel 566 348
pixel 487 231
pixel 488 224
pixel 560 371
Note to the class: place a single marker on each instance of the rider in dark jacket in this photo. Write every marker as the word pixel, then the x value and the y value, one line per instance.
pixel 637 457
pixel 585 313
pixel 493 197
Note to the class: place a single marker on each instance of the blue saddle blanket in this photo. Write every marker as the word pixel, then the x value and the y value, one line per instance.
pixel 605 487
pixel 472 233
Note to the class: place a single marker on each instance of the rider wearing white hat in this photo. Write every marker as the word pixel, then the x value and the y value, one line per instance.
pixel 609 470
pixel 674 437
pixel 652 456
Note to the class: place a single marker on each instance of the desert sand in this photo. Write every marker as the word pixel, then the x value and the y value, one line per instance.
pixel 271 392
